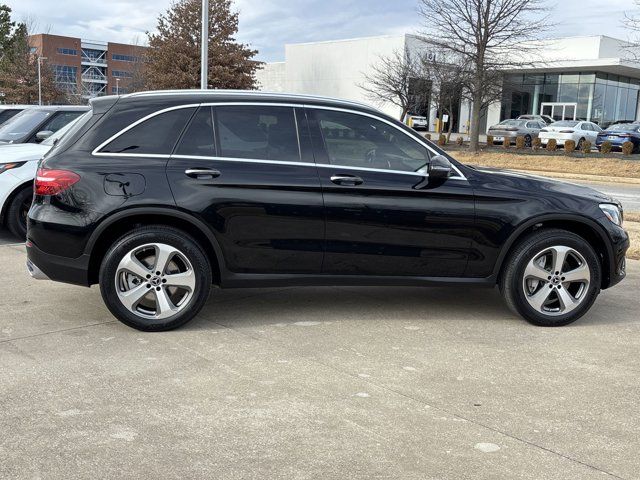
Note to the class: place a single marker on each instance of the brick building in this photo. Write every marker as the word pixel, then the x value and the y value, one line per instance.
pixel 86 67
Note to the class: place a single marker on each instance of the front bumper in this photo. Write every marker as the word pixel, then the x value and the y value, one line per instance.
pixel 45 266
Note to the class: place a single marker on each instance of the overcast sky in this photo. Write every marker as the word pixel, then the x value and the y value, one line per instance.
pixel 268 25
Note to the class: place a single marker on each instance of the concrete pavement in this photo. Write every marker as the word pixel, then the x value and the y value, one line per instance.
pixel 307 383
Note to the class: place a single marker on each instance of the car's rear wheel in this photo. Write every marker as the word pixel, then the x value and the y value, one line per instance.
pixel 17 212
pixel 155 278
pixel 551 278
pixel 580 144
pixel 527 140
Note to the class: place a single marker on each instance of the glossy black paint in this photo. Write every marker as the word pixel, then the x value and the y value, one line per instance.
pixel 289 223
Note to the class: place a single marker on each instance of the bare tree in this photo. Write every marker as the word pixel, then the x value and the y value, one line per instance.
pixel 632 23
pixel 391 79
pixel 449 83
pixel 489 36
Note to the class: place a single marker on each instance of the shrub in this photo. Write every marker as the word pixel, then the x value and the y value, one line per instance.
pixel 569 146
pixel 552 145
pixel 506 143
pixel 459 141
pixel 442 140
pixel 520 143
pixel 628 148
pixel 606 147
pixel 586 147
pixel 536 143
pixel 489 140
pixel 427 136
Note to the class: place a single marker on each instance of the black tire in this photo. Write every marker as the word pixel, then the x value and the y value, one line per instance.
pixel 527 140
pixel 512 278
pixel 175 238
pixel 580 144
pixel 16 213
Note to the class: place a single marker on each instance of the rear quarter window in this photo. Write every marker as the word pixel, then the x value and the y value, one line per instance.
pixel 156 135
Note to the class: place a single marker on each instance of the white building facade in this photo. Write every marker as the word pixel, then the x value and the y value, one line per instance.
pixel 590 78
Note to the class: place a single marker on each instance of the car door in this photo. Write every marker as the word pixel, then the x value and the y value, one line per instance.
pixel 248 172
pixel 383 215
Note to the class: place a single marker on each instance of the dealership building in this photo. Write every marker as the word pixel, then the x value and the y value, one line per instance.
pixel 588 78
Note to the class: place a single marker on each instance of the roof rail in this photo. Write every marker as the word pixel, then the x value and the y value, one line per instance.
pixel 246 92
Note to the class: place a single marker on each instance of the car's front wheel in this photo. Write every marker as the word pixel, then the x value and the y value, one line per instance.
pixel 155 278
pixel 551 278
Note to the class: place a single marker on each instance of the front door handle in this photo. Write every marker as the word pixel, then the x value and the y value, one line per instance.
pixel 347 180
pixel 202 173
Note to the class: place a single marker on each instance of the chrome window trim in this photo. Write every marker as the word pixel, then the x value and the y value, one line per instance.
pixel 96 151
pixel 305 164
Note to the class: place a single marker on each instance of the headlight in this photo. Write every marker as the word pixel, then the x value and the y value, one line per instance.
pixel 8 166
pixel 612 212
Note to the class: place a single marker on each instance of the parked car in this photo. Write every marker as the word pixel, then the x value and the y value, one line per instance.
pixel 158 195
pixel 513 129
pixel 575 130
pixel 9 111
pixel 417 122
pixel 18 166
pixel 541 118
pixel 618 134
pixel 34 125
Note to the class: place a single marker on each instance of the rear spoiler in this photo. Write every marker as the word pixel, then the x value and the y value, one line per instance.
pixel 101 105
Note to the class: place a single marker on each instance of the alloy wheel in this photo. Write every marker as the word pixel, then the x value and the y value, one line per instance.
pixel 155 281
pixel 556 280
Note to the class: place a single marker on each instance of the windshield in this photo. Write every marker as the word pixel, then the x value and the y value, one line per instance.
pixel 624 127
pixel 22 124
pixel 565 123
pixel 53 139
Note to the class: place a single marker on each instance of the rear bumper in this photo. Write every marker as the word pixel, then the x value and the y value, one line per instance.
pixel 44 266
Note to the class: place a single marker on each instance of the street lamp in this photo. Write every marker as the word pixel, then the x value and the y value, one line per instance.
pixel 204 40
pixel 40 79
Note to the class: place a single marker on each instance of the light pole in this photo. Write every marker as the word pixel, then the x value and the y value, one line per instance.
pixel 204 47
pixel 117 86
pixel 40 79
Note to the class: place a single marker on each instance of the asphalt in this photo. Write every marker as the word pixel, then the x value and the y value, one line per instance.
pixel 628 194
pixel 316 383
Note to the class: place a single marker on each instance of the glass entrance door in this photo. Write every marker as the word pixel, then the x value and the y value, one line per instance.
pixel 559 111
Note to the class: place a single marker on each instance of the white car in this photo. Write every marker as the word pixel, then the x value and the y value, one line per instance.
pixel 18 166
pixel 575 130
pixel 417 122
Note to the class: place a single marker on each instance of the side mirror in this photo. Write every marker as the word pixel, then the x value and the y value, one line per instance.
pixel 43 135
pixel 439 168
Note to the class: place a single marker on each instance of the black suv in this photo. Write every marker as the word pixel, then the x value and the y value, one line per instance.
pixel 159 195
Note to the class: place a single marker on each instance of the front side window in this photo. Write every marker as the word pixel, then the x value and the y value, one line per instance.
pixel 60 120
pixel 157 135
pixel 257 132
pixel 363 142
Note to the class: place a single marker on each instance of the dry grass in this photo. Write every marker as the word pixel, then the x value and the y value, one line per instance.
pixel 631 217
pixel 634 234
pixel 553 163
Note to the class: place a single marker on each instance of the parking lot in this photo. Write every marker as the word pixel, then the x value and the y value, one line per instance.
pixel 316 383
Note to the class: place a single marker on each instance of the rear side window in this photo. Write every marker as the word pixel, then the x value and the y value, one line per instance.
pixel 257 132
pixel 157 135
pixel 198 138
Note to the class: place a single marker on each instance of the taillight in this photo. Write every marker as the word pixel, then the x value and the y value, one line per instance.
pixel 52 182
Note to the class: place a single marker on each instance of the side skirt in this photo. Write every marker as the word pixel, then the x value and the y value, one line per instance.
pixel 247 280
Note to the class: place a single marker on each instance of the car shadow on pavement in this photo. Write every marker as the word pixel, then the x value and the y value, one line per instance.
pixel 257 307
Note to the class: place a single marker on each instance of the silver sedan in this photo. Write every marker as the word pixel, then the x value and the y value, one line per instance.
pixel 511 129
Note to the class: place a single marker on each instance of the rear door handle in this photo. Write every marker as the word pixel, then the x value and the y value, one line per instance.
pixel 347 180
pixel 202 173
